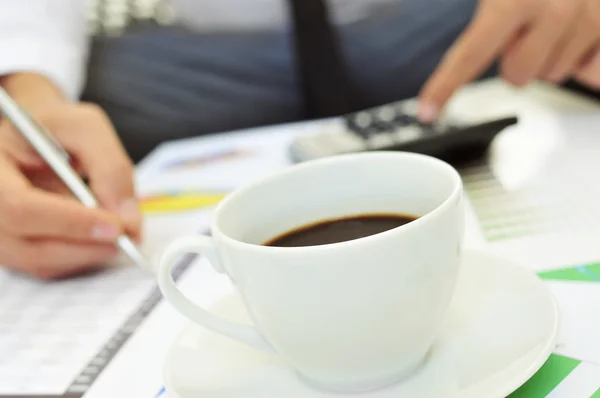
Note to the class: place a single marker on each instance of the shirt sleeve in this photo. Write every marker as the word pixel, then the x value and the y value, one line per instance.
pixel 46 37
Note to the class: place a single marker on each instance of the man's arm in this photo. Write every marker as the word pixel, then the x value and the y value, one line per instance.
pixel 533 39
pixel 43 52
pixel 47 38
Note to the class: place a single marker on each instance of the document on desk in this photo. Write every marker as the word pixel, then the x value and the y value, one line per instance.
pixel 60 338
pixel 222 162
pixel 57 337
pixel 181 179
pixel 536 201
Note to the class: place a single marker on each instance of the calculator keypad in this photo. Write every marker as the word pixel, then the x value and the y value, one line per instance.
pixel 391 125
pixel 394 127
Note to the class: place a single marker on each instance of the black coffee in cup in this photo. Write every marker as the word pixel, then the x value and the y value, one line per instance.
pixel 340 230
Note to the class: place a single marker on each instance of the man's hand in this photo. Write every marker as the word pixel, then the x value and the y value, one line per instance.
pixel 44 230
pixel 545 39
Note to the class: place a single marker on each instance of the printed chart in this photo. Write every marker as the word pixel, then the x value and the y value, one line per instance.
pixel 558 201
pixel 543 198
pixel 541 209
pixel 562 377
pixel 179 201
pixel 574 369
pixel 545 183
pixel 196 161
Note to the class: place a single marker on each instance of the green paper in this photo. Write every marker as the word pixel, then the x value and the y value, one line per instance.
pixel 587 273
pixel 596 394
pixel 550 375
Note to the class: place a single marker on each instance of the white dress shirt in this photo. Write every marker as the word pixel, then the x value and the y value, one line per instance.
pixel 49 36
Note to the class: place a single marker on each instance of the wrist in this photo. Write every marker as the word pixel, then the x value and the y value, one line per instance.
pixel 32 90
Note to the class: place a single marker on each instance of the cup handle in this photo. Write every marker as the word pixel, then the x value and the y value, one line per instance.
pixel 204 246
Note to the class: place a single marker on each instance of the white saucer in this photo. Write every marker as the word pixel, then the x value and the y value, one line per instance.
pixel 501 328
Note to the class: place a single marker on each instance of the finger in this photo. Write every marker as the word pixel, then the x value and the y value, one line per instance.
pixel 48 181
pixel 577 43
pixel 49 259
pixel 515 39
pixel 13 144
pixel 17 147
pixel 105 162
pixel 34 213
pixel 475 50
pixel 29 212
pixel 526 60
pixel 589 73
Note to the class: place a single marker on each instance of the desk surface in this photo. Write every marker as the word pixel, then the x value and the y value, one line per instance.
pixel 544 167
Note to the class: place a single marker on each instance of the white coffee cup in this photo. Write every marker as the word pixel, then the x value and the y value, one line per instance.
pixel 350 316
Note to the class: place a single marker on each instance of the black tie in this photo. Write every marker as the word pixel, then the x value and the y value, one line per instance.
pixel 326 83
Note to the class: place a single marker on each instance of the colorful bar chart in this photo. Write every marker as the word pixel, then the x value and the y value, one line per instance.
pixel 560 197
pixel 180 201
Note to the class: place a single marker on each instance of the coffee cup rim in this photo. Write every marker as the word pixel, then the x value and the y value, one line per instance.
pixel 452 173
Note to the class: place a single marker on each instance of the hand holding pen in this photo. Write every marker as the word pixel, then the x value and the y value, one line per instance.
pixel 45 229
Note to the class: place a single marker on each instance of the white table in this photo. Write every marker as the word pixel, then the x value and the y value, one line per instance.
pixel 546 116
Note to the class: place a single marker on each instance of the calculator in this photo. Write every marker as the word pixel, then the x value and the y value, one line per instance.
pixel 395 126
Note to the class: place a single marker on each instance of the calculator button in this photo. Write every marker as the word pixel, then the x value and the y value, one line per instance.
pixel 380 127
pixel 408 133
pixel 360 123
pixel 330 142
pixel 362 132
pixel 363 120
pixel 428 129
pixel 362 135
pixel 344 141
pixel 445 124
pixel 408 107
pixel 380 141
pixel 386 114
pixel 404 120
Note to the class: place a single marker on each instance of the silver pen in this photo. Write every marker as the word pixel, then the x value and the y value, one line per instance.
pixel 58 160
